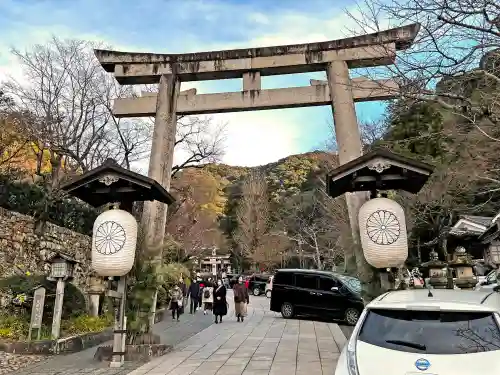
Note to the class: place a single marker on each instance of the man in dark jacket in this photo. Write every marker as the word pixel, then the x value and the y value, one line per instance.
pixel 193 294
pixel 241 299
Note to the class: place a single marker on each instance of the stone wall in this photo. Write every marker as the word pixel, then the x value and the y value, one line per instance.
pixel 21 249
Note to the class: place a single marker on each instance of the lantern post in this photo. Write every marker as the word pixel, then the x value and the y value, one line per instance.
pixel 382 222
pixel 61 270
pixel 462 263
pixel 114 190
pixel 438 271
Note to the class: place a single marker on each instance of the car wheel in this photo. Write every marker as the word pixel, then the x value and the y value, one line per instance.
pixel 351 316
pixel 268 294
pixel 256 292
pixel 287 310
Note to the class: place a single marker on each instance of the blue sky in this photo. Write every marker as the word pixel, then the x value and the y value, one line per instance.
pixel 178 26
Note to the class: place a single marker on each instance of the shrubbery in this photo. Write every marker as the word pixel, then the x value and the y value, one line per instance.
pixel 86 324
pixel 73 305
pixel 16 327
pixel 14 320
pixel 31 199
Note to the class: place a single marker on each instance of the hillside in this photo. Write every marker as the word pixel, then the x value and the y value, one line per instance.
pixel 211 199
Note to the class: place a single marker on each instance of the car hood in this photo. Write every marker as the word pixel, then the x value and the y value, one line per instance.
pixel 372 359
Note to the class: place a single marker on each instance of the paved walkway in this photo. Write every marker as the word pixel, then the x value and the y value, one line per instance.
pixel 265 344
pixel 171 333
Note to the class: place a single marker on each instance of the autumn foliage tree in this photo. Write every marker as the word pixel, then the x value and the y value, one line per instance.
pixel 252 217
pixel 193 220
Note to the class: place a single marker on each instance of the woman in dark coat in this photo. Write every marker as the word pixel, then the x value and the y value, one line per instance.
pixel 220 303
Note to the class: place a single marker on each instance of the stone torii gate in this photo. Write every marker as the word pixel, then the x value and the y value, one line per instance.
pixel 340 91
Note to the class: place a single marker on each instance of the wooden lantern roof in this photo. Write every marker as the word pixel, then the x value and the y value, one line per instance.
pixel 60 255
pixel 378 170
pixel 110 183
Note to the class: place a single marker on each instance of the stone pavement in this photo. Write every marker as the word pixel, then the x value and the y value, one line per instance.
pixel 265 344
pixel 171 333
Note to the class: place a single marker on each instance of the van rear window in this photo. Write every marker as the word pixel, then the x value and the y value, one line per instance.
pixel 431 332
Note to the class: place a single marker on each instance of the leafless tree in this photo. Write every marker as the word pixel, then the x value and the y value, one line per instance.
pixel 371 131
pixel 200 140
pixel 69 99
pixel 66 98
pixel 454 60
pixel 316 224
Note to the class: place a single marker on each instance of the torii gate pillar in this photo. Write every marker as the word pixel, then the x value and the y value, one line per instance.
pixel 154 215
pixel 349 144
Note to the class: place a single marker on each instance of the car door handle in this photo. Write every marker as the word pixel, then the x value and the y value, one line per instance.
pixel 319 294
pixel 312 293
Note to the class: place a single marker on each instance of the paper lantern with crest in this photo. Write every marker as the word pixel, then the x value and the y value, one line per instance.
pixel 114 243
pixel 382 227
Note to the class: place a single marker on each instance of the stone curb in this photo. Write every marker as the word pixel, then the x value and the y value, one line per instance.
pixel 66 345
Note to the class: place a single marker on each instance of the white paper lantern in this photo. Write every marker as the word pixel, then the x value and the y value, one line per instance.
pixel 113 243
pixel 382 227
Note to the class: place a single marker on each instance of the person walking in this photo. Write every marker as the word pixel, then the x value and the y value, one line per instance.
pixel 200 293
pixel 241 299
pixel 220 303
pixel 193 294
pixel 225 280
pixel 175 301
pixel 208 297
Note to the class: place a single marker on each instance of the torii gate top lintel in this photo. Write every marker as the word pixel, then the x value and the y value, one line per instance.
pixel 146 68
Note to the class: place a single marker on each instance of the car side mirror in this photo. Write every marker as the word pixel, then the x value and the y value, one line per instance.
pixel 334 288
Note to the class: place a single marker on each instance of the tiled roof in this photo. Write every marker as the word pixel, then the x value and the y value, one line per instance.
pixel 481 220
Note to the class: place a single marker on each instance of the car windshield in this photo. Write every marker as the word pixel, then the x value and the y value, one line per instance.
pixel 350 282
pixel 492 277
pixel 431 332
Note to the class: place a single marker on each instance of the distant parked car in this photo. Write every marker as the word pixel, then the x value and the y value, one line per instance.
pixel 269 286
pixel 257 283
pixel 488 283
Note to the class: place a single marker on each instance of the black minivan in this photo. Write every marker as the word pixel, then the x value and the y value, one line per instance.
pixel 316 293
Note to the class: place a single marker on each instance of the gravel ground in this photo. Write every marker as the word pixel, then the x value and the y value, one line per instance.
pixel 10 363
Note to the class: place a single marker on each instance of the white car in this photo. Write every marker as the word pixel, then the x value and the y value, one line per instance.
pixel 420 331
pixel 489 282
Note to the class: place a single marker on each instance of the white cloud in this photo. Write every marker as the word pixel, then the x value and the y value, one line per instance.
pixel 253 138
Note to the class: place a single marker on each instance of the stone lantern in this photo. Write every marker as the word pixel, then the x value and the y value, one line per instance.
pixel 437 271
pixel 61 270
pixel 464 269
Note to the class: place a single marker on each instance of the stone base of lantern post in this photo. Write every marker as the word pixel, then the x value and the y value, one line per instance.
pixel 387 280
pixel 120 333
pixel 438 282
pixel 466 283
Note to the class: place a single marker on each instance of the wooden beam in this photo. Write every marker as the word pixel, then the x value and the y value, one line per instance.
pixel 316 95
